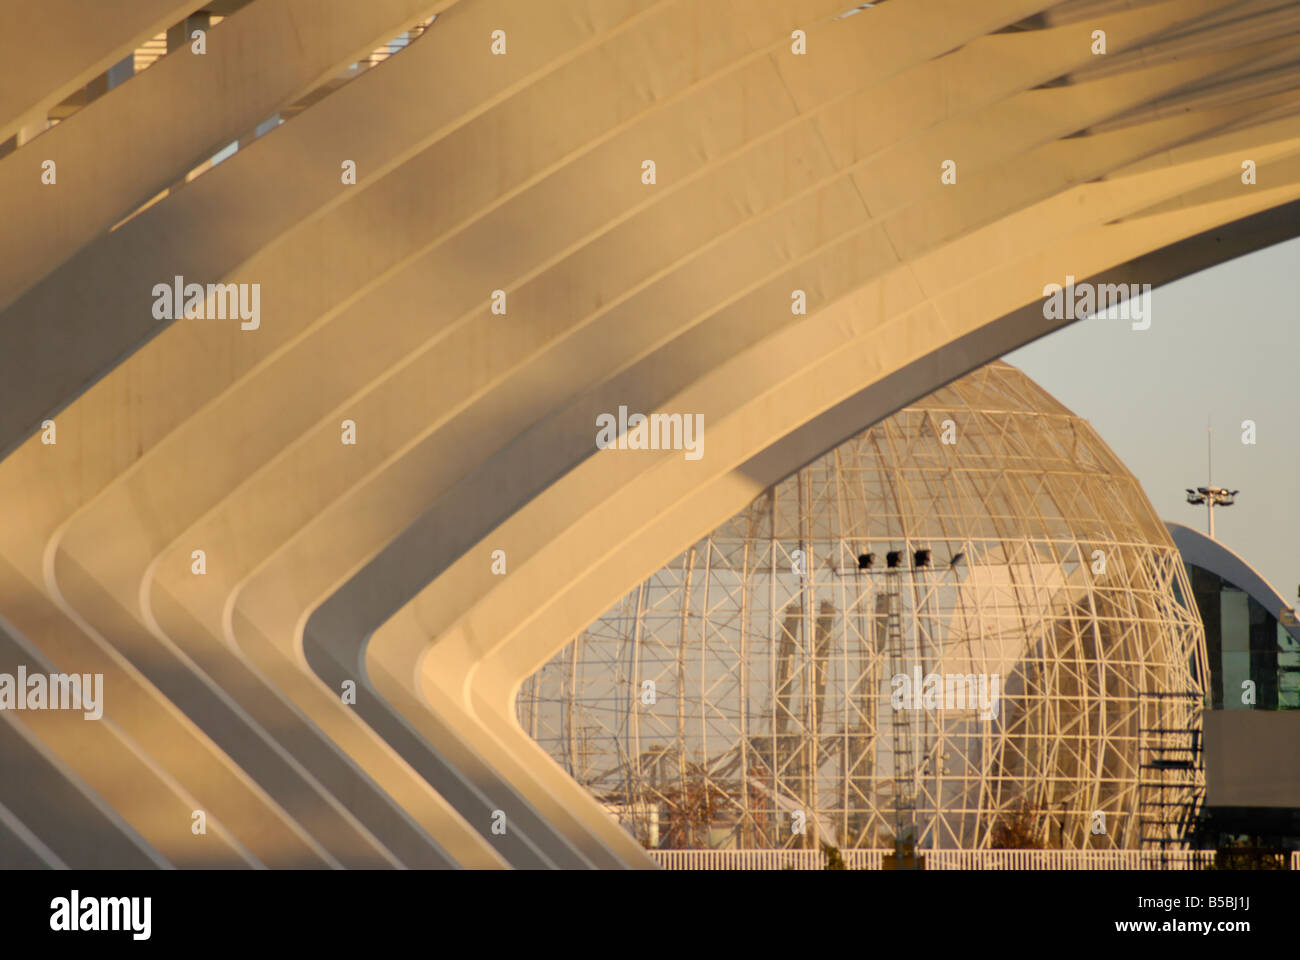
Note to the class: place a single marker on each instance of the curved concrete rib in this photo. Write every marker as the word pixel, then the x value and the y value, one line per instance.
pixel 351 626
pixel 776 172
pixel 561 605
pixel 72 576
pixel 495 704
pixel 20 849
pixel 322 450
pixel 186 108
pixel 142 797
pixel 558 33
pixel 118 568
pixel 71 826
pixel 211 226
pixel 51 49
pixel 185 686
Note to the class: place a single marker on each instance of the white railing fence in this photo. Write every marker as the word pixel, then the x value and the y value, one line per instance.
pixel 944 859
pixel 1068 860
pixel 763 859
pixel 1178 860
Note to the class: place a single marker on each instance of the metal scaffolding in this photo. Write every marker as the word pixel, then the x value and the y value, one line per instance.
pixel 747 694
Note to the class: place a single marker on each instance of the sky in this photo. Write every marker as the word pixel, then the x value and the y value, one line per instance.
pixel 1222 348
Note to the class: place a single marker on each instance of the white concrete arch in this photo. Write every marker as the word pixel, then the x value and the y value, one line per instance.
pixel 71 573
pixel 76 44
pixel 321 456
pixel 432 629
pixel 404 640
pixel 185 108
pixel 776 171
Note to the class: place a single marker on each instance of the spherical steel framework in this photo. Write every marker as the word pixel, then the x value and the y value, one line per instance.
pixel 961 628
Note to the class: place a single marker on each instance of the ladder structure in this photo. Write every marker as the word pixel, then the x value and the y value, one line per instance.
pixel 904 774
pixel 1171 768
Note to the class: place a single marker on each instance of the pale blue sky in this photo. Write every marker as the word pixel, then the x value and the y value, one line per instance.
pixel 1222 348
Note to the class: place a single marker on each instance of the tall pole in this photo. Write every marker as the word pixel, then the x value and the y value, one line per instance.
pixel 1210 495
pixel 1209 474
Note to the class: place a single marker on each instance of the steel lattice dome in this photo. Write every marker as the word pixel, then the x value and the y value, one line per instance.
pixel 751 687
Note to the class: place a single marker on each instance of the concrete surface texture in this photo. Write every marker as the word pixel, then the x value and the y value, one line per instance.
pixel 558 209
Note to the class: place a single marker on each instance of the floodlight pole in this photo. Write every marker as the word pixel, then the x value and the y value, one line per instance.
pixel 1210 495
pixel 1209 477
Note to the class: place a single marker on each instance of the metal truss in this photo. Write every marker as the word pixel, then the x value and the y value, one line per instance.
pixel 745 690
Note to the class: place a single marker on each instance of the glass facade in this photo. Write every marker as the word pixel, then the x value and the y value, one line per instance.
pixel 1254 660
